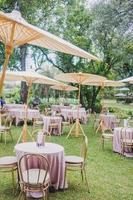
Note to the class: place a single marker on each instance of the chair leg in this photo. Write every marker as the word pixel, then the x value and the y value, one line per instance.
pixel 11 135
pixel 44 195
pixel 82 175
pixel 20 195
pixel 65 173
pixel 87 184
pixel 1 137
pixel 102 143
pixel 13 181
pixel 5 138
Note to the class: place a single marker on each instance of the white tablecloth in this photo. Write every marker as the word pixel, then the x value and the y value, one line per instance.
pixel 54 154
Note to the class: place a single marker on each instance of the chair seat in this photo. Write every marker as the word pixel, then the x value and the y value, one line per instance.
pixel 65 123
pixel 33 176
pixel 39 123
pixel 127 141
pixel 74 159
pixel 53 125
pixel 8 160
pixel 107 135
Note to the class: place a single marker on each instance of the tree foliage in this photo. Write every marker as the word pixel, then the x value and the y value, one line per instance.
pixel 104 29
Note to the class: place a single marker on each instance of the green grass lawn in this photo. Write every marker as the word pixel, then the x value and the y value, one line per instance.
pixel 110 175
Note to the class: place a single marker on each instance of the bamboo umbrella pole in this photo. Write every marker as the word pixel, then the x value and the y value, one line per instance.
pixel 9 49
pixel 24 131
pixel 25 128
pixel 8 54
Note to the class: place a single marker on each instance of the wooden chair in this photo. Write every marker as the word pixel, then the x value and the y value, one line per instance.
pixel 74 163
pixel 34 173
pixel 96 120
pixel 53 126
pixel 126 142
pixel 9 164
pixel 6 128
pixel 37 125
pixel 130 122
pixel 107 135
pixel 117 122
pixel 64 124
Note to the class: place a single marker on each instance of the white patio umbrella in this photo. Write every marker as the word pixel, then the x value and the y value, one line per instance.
pixel 29 78
pixel 15 31
pixel 81 79
pixel 129 79
pixel 106 83
pixel 64 87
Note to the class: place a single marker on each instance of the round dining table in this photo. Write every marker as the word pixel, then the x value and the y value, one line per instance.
pixel 47 120
pixel 73 114
pixel 55 155
pixel 108 120
pixel 20 114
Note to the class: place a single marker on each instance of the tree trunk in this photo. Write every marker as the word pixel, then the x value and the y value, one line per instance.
pixel 23 92
pixel 94 96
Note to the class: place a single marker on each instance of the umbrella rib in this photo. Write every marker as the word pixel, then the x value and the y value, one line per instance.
pixel 4 34
pixel 20 33
pixel 33 37
pixel 12 33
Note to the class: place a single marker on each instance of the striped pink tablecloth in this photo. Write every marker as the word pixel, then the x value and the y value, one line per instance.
pixel 72 114
pixel 117 139
pixel 47 120
pixel 58 108
pixel 20 114
pixel 14 106
pixel 54 154
pixel 108 120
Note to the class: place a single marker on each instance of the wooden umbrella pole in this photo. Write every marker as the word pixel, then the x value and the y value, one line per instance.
pixel 79 93
pixel 8 53
pixel 8 50
pixel 24 131
pixel 7 57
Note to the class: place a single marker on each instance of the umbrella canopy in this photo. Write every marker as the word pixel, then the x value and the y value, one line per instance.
pixel 129 79
pixel 120 95
pixel 80 78
pixel 29 77
pixel 15 31
pixel 123 89
pixel 106 83
pixel 64 87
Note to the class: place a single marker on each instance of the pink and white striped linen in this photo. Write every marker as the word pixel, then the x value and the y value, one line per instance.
pixel 117 139
pixel 58 108
pixel 108 120
pixel 73 114
pixel 47 120
pixel 20 114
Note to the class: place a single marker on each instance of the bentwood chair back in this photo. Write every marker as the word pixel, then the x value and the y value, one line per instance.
pixel 126 141
pixel 34 172
pixel 78 163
